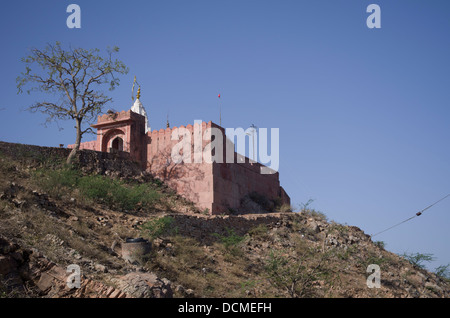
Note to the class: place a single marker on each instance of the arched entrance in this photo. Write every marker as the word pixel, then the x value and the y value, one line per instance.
pixel 117 144
pixel 113 141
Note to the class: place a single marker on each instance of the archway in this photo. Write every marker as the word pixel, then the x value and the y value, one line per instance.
pixel 109 137
pixel 117 144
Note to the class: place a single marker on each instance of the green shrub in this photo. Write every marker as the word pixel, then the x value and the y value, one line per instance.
pixel 230 240
pixel 133 197
pixel 114 193
pixel 56 182
pixel 158 227
pixel 158 182
pixel 205 211
pixel 317 214
pixel 418 259
pixel 97 188
pixel 285 274
pixel 443 271
pixel 374 259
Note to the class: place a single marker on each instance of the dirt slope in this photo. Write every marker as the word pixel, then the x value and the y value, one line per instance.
pixel 46 224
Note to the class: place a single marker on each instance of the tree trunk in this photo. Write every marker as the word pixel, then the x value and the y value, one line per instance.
pixel 75 149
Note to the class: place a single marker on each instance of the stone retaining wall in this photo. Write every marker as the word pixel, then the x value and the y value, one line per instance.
pixel 203 227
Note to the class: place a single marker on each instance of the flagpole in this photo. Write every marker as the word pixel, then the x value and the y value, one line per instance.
pixel 220 111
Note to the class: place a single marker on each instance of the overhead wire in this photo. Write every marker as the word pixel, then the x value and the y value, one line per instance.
pixel 410 218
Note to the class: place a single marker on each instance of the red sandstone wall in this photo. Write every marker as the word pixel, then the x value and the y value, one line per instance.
pixel 234 181
pixel 218 186
pixel 191 180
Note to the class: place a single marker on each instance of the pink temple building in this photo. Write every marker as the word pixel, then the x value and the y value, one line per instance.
pixel 215 186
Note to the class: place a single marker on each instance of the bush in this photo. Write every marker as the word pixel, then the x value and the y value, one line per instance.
pixel 133 197
pixel 316 214
pixel 230 240
pixel 292 276
pixel 417 259
pixel 380 244
pixel 56 182
pixel 158 227
pixel 443 272
pixel 114 193
pixel 374 259
pixel 96 188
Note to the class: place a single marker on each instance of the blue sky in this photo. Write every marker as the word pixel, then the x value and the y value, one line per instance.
pixel 364 114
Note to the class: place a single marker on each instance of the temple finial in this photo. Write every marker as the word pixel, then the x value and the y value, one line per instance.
pixel 138 96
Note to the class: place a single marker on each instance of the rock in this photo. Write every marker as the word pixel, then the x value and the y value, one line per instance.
pixel 405 270
pixel 53 239
pixel 112 249
pixel 115 294
pixel 352 239
pixel 432 286
pixel 331 240
pixel 18 203
pixel 144 285
pixel 100 268
pixel 45 282
pixel 314 227
pixel 424 278
pixel 180 290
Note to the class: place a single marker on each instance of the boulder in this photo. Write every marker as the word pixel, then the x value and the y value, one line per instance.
pixel 144 285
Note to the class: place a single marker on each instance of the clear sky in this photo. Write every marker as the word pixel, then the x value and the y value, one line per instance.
pixel 364 114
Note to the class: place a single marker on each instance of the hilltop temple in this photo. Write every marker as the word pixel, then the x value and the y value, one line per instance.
pixel 214 186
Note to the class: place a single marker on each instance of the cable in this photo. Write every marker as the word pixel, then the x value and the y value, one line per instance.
pixel 417 214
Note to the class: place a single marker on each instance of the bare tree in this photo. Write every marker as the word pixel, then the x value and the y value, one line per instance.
pixel 74 78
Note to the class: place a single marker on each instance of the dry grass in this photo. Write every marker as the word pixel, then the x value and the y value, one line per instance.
pixel 213 271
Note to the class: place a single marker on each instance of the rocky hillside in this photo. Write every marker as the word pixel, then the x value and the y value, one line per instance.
pixel 52 216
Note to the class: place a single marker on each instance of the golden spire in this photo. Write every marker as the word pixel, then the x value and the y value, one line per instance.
pixel 138 93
